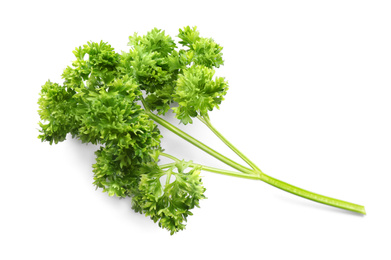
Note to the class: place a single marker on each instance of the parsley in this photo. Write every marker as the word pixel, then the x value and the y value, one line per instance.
pixel 115 100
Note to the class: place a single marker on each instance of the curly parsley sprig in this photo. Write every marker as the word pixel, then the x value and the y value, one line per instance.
pixel 118 101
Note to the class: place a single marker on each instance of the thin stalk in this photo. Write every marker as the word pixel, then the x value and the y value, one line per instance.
pixel 168 177
pixel 311 195
pixel 209 169
pixel 283 185
pixel 200 145
pixel 165 166
pixel 256 173
pixel 226 172
pixel 170 157
pixel 206 121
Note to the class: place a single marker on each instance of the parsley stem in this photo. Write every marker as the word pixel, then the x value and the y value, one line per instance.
pixel 255 173
pixel 226 172
pixel 168 177
pixel 200 145
pixel 170 157
pixel 311 195
pixel 206 121
pixel 283 185
pixel 165 166
pixel 208 169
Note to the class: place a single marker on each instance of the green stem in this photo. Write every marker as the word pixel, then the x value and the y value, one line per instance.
pixel 206 121
pixel 200 145
pixel 170 157
pixel 226 172
pixel 168 177
pixel 209 169
pixel 256 173
pixel 312 196
pixel 283 185
pixel 165 166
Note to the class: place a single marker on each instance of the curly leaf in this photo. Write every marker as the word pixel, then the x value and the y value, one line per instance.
pixel 188 36
pixel 202 51
pixel 171 204
pixel 197 93
pixel 99 68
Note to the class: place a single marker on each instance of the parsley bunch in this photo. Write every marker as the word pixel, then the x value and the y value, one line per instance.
pixel 115 100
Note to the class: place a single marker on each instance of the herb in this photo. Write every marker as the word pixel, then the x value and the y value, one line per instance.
pixel 115 100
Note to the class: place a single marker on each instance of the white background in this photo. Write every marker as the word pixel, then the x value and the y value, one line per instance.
pixel 309 102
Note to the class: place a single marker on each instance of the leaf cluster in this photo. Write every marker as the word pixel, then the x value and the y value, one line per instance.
pixel 99 102
pixel 169 203
pixel 171 75
pixel 197 93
